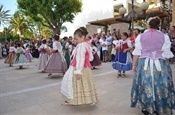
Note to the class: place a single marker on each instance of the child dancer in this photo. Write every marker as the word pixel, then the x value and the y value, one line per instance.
pixel 20 59
pixel 28 53
pixel 11 56
pixel 123 61
pixel 77 84
pixel 43 58
pixel 96 61
pixel 56 62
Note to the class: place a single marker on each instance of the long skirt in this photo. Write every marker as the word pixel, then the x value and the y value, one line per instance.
pixel 29 56
pixel 84 91
pixel 56 64
pixel 67 57
pixel 42 61
pixel 153 94
pixel 96 61
pixel 20 60
pixel 122 61
pixel 36 53
pixel 10 58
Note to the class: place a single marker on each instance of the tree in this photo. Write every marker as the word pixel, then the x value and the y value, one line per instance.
pixel 18 23
pixel 51 13
pixel 4 16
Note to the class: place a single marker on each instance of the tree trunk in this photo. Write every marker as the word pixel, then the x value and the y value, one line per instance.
pixel 173 13
pixel 56 30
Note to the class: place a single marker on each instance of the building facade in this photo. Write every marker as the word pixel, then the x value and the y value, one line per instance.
pixel 94 10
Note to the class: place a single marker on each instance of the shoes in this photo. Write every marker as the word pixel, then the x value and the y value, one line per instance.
pixel 49 75
pixel 65 103
pixel 124 75
pixel 119 75
pixel 145 112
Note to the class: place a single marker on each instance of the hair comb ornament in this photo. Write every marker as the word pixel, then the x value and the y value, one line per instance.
pixel 149 19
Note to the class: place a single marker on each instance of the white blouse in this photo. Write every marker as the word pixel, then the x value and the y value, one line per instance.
pixel 43 46
pixel 20 50
pixel 166 53
pixel 57 46
pixel 11 49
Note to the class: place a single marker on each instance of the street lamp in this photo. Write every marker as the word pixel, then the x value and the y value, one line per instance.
pixel 144 6
pixel 122 11
pixel 133 14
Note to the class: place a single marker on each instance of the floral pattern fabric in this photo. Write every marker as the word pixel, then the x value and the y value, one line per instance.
pixel 142 91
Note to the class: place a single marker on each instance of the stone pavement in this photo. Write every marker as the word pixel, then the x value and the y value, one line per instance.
pixel 29 92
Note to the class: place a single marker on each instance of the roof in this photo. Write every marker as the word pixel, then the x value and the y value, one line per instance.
pixel 120 19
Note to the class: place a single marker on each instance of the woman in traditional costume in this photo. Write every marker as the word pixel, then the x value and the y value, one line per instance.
pixel 56 62
pixel 78 84
pixel 43 58
pixel 11 56
pixel 123 61
pixel 152 86
pixel 20 59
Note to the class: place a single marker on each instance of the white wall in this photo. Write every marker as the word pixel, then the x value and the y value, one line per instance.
pixel 91 10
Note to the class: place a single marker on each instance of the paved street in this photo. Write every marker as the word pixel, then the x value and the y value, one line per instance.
pixel 29 92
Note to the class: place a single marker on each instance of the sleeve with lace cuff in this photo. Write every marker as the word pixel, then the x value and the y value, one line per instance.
pixel 80 58
pixel 166 48
pixel 138 47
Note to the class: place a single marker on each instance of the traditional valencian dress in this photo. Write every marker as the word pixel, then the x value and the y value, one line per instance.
pixel 123 60
pixel 20 59
pixel 11 56
pixel 82 91
pixel 66 52
pixel 152 86
pixel 28 54
pixel 96 61
pixel 56 62
pixel 43 58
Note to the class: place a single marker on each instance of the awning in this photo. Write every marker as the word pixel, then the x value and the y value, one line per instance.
pixel 120 19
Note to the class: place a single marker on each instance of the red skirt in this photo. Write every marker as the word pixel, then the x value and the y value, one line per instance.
pixel 96 61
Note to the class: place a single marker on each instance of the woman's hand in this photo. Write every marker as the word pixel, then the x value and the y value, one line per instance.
pixel 78 76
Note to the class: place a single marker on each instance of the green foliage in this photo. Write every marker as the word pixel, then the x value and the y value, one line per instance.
pixel 51 13
pixel 6 35
pixel 18 23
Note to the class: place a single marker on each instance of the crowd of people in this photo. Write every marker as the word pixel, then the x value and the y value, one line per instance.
pixel 147 54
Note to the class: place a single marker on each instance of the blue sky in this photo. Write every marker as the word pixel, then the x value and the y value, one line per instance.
pixel 9 5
